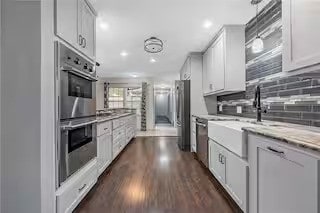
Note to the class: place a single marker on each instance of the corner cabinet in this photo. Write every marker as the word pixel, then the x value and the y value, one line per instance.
pixel 224 62
pixel 75 23
pixel 282 179
pixel 231 171
pixel 301 33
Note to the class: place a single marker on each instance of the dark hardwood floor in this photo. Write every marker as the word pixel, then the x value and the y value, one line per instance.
pixel 153 175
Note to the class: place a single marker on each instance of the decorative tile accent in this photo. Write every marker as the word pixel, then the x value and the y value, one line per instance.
pixel 143 106
pixel 294 99
pixel 105 101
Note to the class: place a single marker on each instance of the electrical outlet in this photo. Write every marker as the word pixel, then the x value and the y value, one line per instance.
pixel 239 109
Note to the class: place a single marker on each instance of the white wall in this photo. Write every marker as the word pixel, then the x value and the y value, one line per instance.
pixel 27 107
pixel 20 107
pixel 48 118
pixel 100 95
pixel 0 98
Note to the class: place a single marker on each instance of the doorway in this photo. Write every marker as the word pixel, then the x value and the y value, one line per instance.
pixel 163 107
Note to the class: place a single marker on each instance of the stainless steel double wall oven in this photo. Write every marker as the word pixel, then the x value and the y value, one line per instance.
pixel 76 112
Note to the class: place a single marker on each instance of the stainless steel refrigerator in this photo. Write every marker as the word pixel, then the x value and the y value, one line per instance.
pixel 183 113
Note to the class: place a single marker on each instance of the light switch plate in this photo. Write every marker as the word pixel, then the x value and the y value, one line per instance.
pixel 220 108
pixel 239 109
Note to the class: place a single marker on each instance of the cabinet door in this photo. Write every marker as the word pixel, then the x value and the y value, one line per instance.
pixel 66 23
pixel 301 33
pixel 217 161
pixel 108 150
pixel 194 142
pixel 218 64
pixel 207 71
pixel 101 151
pixel 237 179
pixel 87 28
pixel 205 88
pixel 282 180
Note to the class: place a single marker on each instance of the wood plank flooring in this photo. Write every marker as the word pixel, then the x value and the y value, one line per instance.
pixel 153 175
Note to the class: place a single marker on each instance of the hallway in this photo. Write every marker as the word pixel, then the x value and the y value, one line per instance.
pixel 153 175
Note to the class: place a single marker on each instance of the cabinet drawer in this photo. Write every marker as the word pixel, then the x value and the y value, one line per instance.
pixel 104 128
pixel 117 133
pixel 73 191
pixel 119 139
pixel 117 123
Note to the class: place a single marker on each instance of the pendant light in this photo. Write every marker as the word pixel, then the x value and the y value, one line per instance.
pixel 257 45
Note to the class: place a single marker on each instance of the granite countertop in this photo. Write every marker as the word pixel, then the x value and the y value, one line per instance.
pixel 104 118
pixel 304 138
pixel 217 117
pixel 301 136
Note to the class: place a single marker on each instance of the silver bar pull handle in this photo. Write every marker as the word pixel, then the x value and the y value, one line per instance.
pixel 82 188
pixel 69 127
pixel 275 150
pixel 79 73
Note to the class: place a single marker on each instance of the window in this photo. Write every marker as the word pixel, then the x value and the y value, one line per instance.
pixel 133 98
pixel 125 98
pixel 116 98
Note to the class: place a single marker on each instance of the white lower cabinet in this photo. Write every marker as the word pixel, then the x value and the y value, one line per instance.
pixel 124 129
pixel 73 190
pixel 193 135
pixel 104 153
pixel 231 171
pixel 282 179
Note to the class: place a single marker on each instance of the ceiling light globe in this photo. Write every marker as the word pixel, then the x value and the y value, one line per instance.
pixel 257 45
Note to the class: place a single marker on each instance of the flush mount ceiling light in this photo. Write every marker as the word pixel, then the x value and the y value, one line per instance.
pixel 257 45
pixel 152 60
pixel 153 45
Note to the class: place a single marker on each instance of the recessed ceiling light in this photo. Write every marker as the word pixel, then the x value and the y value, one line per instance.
pixel 123 53
pixel 152 60
pixel 104 25
pixel 207 24
pixel 134 75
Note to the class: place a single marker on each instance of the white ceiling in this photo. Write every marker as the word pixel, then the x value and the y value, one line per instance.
pixel 123 25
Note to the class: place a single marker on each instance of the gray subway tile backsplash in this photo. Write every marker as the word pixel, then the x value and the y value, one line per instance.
pixel 291 99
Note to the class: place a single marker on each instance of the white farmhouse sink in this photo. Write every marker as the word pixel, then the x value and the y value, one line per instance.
pixel 230 135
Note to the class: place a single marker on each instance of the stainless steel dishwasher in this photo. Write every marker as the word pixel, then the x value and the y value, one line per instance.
pixel 202 140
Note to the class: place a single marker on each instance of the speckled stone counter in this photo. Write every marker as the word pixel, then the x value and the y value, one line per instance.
pixel 112 117
pixel 303 138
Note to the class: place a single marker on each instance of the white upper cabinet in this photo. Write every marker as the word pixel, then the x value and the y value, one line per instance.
pixel 301 33
pixel 217 75
pixel 207 85
pixel 224 62
pixel 75 24
pixel 87 28
pixel 66 23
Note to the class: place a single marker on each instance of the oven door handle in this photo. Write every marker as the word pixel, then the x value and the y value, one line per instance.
pixel 70 127
pixel 79 73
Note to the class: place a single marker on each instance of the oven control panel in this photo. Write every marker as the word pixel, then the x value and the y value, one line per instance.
pixel 70 58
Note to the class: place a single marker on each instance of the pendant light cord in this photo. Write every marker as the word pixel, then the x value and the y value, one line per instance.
pixel 257 21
